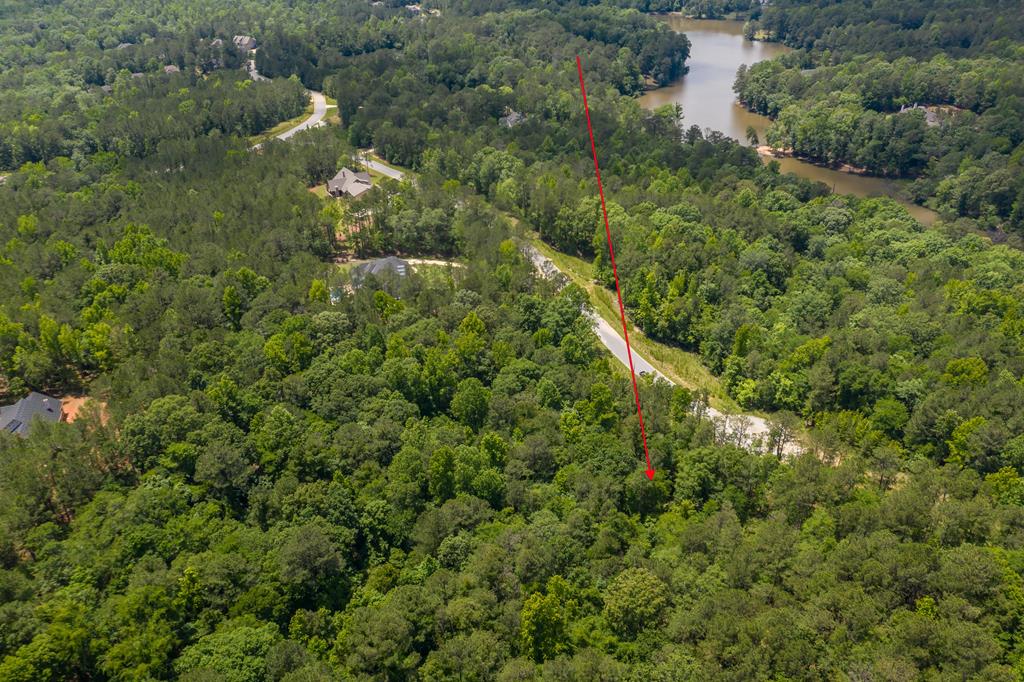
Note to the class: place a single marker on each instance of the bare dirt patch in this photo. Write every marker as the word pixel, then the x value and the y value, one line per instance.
pixel 73 408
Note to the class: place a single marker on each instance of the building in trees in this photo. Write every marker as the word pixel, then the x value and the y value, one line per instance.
pixel 511 118
pixel 244 42
pixel 349 183
pixel 17 418
pixel 379 267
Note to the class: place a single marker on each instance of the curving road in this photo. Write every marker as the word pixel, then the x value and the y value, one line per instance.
pixel 319 111
pixel 390 172
pixel 319 105
pixel 743 429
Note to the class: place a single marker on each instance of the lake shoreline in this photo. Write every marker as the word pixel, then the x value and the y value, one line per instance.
pixel 718 48
pixel 776 153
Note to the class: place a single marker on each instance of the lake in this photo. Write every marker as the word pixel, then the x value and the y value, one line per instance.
pixel 705 94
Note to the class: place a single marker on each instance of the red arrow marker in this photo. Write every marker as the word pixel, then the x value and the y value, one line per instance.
pixel 615 272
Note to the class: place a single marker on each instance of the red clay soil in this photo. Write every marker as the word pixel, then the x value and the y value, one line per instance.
pixel 72 406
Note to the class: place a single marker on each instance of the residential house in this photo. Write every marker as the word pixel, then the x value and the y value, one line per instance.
pixel 17 418
pixel 511 118
pixel 246 43
pixel 380 267
pixel 171 68
pixel 124 46
pixel 349 183
pixel 214 62
pixel 931 114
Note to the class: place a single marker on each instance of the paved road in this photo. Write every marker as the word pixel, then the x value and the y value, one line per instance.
pixel 319 105
pixel 250 67
pixel 380 167
pixel 319 111
pixel 614 342
pixel 743 429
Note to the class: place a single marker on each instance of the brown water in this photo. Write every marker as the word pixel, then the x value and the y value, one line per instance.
pixel 707 100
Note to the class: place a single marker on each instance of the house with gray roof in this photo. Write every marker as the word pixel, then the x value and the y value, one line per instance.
pixel 244 42
pixel 931 114
pixel 511 119
pixel 380 267
pixel 17 418
pixel 349 183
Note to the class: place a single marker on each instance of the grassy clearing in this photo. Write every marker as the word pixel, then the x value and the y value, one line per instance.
pixel 435 273
pixel 375 177
pixel 378 159
pixel 283 126
pixel 443 275
pixel 680 366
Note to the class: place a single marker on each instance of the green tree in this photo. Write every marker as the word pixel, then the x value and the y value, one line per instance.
pixel 634 601
pixel 471 402
pixel 310 561
pixel 236 652
pixel 544 621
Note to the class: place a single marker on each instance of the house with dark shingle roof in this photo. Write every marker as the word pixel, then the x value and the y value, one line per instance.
pixel 17 418
pixel 349 182
pixel 392 265
pixel 244 42
pixel 511 119
pixel 931 114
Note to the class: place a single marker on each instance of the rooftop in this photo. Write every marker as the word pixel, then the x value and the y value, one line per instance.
pixel 349 182
pixel 512 118
pixel 378 267
pixel 17 418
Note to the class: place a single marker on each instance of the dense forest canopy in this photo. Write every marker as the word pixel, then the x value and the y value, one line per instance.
pixel 920 28
pixel 288 475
